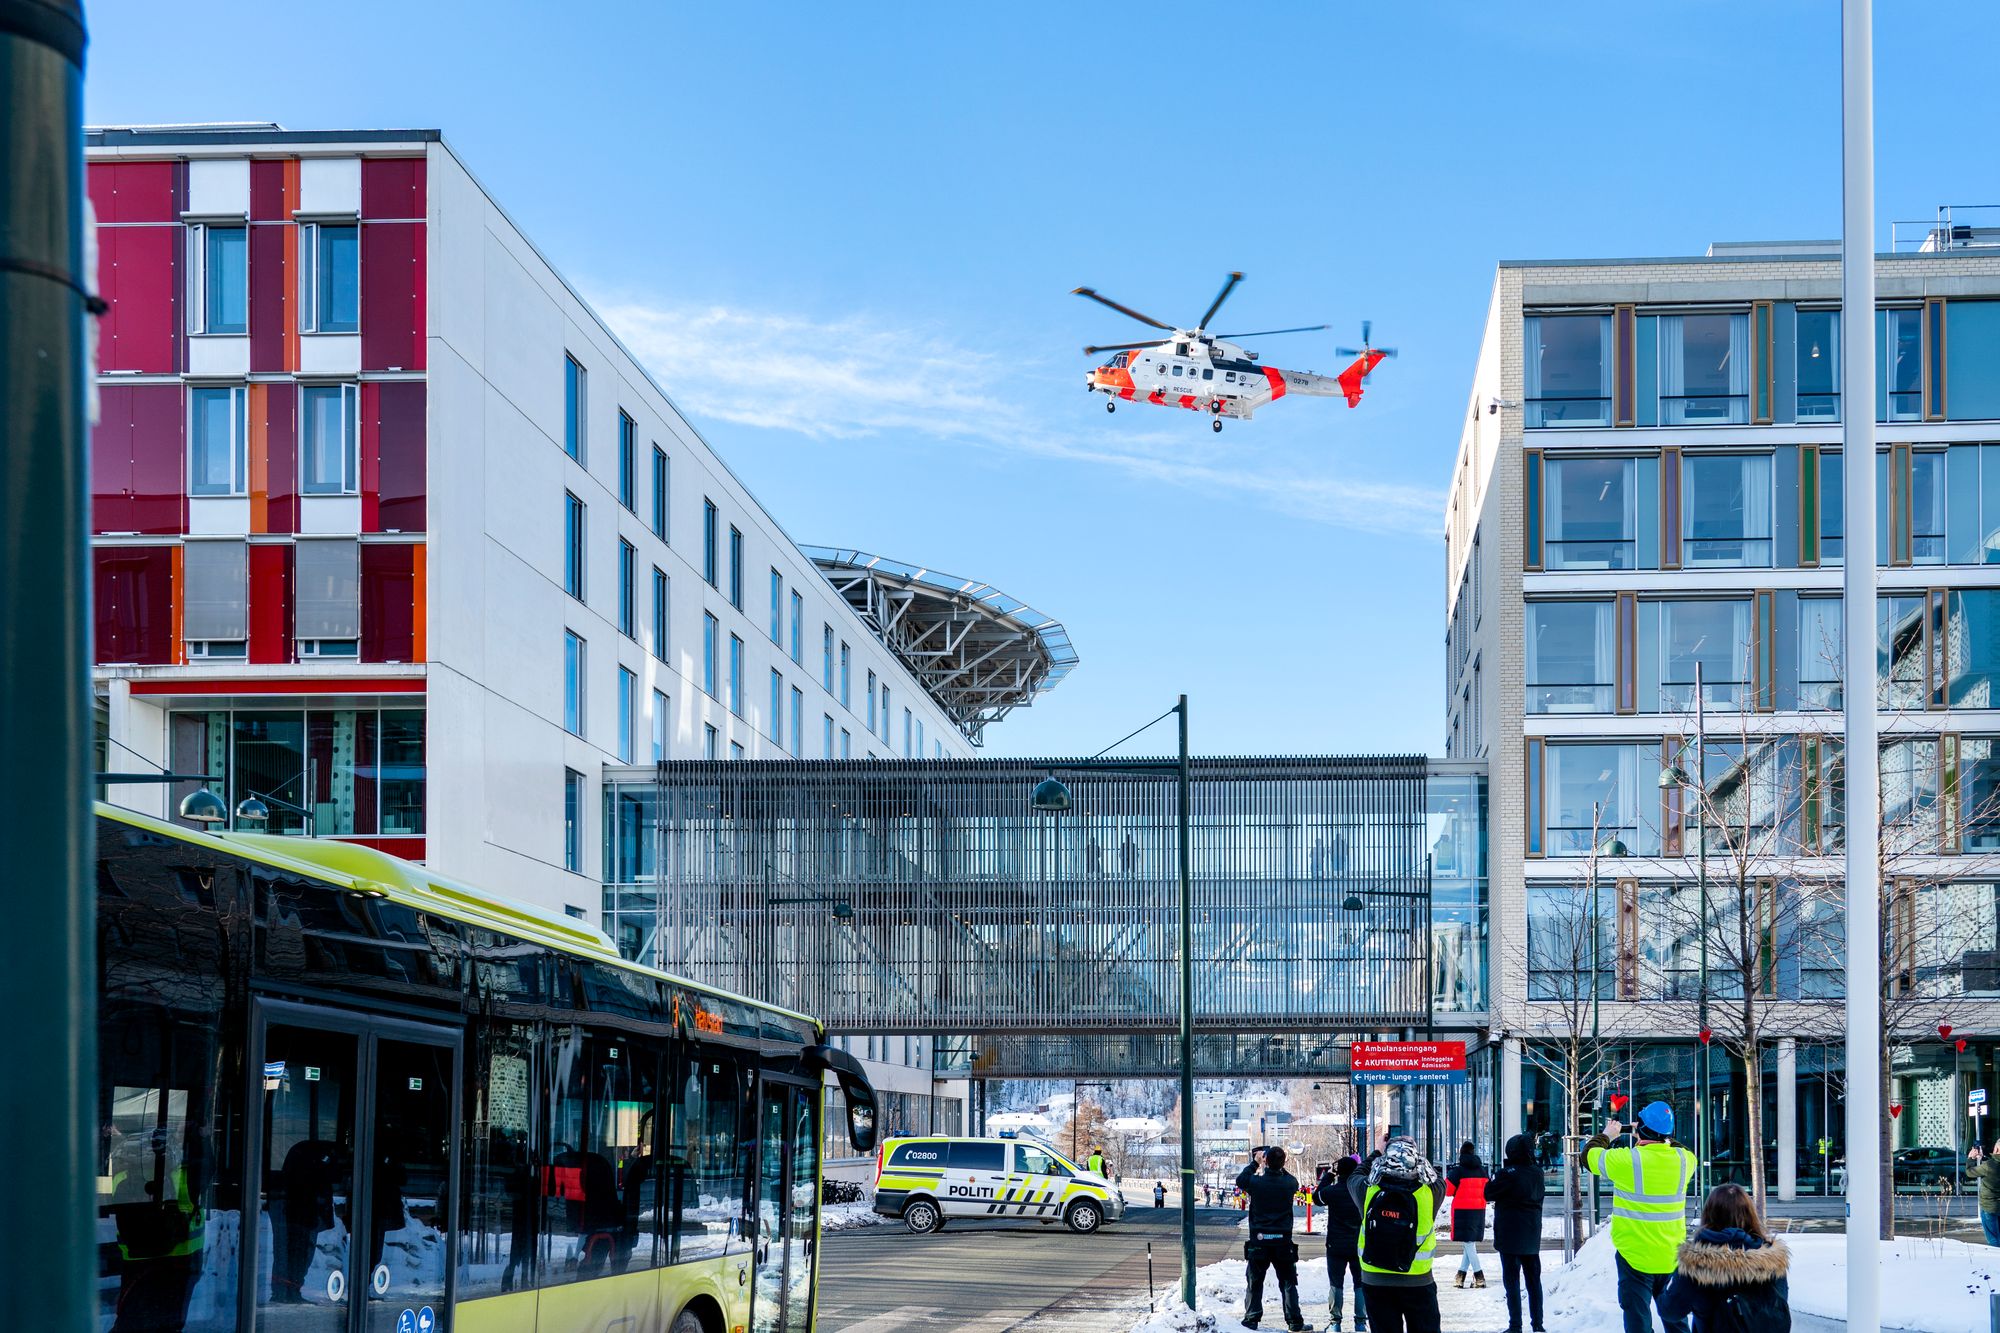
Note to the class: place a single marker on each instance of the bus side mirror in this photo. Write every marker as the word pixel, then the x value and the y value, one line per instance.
pixel 854 1088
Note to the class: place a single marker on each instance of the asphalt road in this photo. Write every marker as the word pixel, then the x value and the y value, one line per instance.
pixel 984 1277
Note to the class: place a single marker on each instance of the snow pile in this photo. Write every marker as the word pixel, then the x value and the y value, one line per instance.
pixel 1219 1297
pixel 848 1216
pixel 1584 1294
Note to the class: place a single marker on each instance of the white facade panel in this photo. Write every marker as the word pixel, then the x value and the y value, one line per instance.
pixel 220 187
pixel 219 516
pixel 218 354
pixel 330 185
pixel 330 515
pixel 329 354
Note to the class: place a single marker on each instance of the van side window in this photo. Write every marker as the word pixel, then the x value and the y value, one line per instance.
pixel 967 1156
pixel 918 1154
pixel 1035 1162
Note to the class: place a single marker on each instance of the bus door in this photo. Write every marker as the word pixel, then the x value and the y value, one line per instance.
pixel 787 1205
pixel 354 1130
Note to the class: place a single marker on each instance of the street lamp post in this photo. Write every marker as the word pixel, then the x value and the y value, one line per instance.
pixel 1076 1109
pixel 843 910
pixel 1612 847
pixel 1676 774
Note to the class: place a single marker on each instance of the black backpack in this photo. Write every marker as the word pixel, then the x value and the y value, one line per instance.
pixel 1756 1309
pixel 1389 1229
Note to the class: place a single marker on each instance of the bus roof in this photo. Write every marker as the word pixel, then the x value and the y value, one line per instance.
pixel 378 874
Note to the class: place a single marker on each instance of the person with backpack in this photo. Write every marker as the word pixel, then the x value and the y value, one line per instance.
pixel 1986 1170
pixel 1731 1276
pixel 1465 1186
pixel 1649 1184
pixel 1399 1206
pixel 1343 1241
pixel 1270 1189
pixel 1516 1192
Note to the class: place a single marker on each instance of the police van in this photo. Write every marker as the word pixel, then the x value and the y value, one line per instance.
pixel 928 1181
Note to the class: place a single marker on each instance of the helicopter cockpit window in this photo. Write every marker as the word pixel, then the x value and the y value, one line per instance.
pixel 1118 362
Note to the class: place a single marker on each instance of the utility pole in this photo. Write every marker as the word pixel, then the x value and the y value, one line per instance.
pixel 48 969
pixel 1864 795
pixel 1187 1011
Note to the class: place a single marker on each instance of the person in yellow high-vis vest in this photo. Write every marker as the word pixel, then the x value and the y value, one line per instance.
pixel 1649 1185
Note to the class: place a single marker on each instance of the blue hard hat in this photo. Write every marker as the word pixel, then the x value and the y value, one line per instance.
pixel 1658 1117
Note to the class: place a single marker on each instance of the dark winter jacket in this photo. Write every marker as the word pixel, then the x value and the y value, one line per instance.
pixel 1987 1172
pixel 1717 1265
pixel 1465 1186
pixel 1343 1214
pixel 1270 1195
pixel 1516 1192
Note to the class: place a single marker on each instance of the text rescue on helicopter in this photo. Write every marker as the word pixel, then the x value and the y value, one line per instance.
pixel 1205 372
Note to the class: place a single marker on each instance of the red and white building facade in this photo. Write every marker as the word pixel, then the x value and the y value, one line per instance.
pixel 389 527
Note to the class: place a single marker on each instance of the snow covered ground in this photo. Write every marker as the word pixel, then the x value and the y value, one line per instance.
pixel 848 1216
pixel 1219 1290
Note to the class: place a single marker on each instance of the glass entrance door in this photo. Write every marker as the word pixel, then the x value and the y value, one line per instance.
pixel 787 1206
pixel 358 1124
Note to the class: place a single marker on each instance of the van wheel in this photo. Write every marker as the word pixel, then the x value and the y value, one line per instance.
pixel 1083 1217
pixel 923 1217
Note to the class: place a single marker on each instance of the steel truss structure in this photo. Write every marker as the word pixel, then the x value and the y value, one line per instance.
pixel 977 652
pixel 929 897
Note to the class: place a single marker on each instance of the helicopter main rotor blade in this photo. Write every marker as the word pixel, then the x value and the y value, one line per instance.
pixel 1220 297
pixel 1121 309
pixel 1120 347
pixel 1266 333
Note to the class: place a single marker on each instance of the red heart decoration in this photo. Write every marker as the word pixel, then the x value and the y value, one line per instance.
pixel 1618 1100
pixel 1705 1034
pixel 1895 1109
pixel 1944 1031
pixel 1960 1043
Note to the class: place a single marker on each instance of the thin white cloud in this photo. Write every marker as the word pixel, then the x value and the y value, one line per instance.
pixel 852 378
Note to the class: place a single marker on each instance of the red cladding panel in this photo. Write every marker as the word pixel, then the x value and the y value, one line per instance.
pixel 392 285
pixel 267 190
pixel 134 590
pixel 135 191
pixel 281 445
pixel 392 187
pixel 388 603
pixel 271 603
pixel 400 441
pixel 137 460
pixel 137 274
pixel 371 457
pixel 268 286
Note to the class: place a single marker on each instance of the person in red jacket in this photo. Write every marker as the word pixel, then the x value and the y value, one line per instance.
pixel 1465 1186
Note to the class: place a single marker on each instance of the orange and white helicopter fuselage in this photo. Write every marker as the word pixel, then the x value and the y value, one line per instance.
pixel 1201 373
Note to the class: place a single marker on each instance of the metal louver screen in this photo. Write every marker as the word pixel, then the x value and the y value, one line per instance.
pixel 217 600
pixel 327 583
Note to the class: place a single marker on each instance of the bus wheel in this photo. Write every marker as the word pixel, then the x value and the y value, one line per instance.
pixel 687 1322
pixel 923 1217
pixel 1083 1217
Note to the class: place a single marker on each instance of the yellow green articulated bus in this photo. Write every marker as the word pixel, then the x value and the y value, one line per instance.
pixel 339 1094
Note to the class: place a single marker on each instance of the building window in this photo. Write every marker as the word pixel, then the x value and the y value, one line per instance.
pixel 576 406
pixel 1726 510
pixel 1593 513
pixel 1971 362
pixel 885 712
pixel 735 567
pixel 710 564
pixel 329 278
pixel 735 750
pixel 846 675
pixel 1568 369
pixel 1927 516
pixel 628 461
pixel 1571 664
pixel 329 449
pixel 574 529
pixel 710 741
pixel 1704 369
pixel 572 821
pixel 216 441
pixel 659 614
pixel 906 733
pixel 709 629
pixel 777 607
pixel 871 701
pixel 628 699
pixel 798 627
pixel 1819 365
pixel 660 493
pixel 777 708
pixel 1619 780
pixel 628 577
pixel 736 675
pixel 798 722
pixel 218 288
pixel 662 719
pixel 826 735
pixel 846 744
pixel 1900 363
pixel 1714 635
pixel 1819 653
pixel 575 665
pixel 1832 509
pixel 360 771
pixel 826 657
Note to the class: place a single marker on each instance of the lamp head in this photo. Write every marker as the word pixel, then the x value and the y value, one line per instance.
pixel 1673 775
pixel 1353 903
pixel 843 910
pixel 250 810
pixel 1050 796
pixel 1613 847
pixel 202 806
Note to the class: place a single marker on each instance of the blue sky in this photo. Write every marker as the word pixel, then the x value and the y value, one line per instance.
pixel 844 236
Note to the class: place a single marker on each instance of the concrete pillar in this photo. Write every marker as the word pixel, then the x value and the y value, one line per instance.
pixel 1788 1118
pixel 1510 1090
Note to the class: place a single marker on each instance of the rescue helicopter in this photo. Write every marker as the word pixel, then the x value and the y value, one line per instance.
pixel 1209 372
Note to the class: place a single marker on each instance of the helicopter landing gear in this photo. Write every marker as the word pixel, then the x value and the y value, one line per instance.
pixel 1216 425
pixel 1110 405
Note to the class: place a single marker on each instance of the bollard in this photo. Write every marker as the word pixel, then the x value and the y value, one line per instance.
pixel 1309 1215
pixel 1149 1277
pixel 1993 1312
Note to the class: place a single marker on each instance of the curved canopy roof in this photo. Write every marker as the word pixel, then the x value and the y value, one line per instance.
pixel 977 652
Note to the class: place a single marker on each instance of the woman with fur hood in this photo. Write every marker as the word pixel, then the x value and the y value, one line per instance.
pixel 1732 1266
